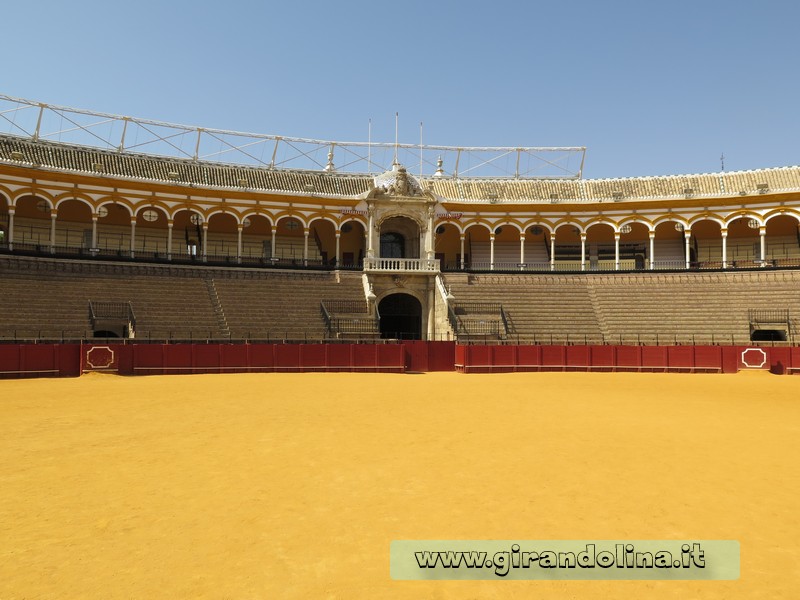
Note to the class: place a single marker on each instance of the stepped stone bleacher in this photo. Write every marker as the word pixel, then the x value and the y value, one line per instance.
pixel 633 308
pixel 703 307
pixel 537 306
pixel 49 298
pixel 283 302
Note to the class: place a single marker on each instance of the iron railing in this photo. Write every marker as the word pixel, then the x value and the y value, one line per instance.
pixel 770 315
pixel 301 336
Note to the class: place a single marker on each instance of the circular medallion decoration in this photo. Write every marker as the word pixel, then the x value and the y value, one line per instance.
pixel 150 215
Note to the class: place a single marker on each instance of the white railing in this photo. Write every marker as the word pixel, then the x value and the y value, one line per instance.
pixel 413 265
pixel 443 293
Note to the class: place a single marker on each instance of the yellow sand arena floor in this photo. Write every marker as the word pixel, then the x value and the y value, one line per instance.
pixel 293 486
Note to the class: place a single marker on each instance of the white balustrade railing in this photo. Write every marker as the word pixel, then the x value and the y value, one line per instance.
pixel 414 265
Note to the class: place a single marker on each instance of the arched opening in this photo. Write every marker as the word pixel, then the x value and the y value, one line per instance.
pixel 447 246
pixel 705 247
pixel 187 235
pixel 74 227
pixel 568 248
pixel 289 240
pixel 401 317
pixel 669 247
pixel 634 242
pixel 32 223
pixel 537 248
pixel 223 237
pixel 783 241
pixel 399 238
pixel 151 233
pixel 352 243
pixel 476 247
pixel 256 238
pixel 321 242
pixel 744 245
pixel 393 245
pixel 600 248
pixel 507 255
pixel 3 221
pixel 113 229
pixel 106 333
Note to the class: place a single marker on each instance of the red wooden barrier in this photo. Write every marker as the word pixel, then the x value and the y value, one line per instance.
pixel 340 357
pixel 718 359
pixel 416 356
pixel 38 360
pixel 602 356
pixel 391 357
pixel 441 356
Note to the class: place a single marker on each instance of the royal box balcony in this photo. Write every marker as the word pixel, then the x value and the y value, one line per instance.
pixel 402 265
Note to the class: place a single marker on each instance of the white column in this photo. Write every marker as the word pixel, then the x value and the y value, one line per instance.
pixel 169 239
pixel 491 251
pixel 616 250
pixel 430 245
pixel 762 232
pixel 687 236
pixel 53 215
pixel 553 251
pixel 583 251
pixel 239 229
pixel 521 250
pixel 11 211
pixel 724 248
pixel 94 231
pixel 205 240
pixel 272 240
pixel 462 237
pixel 306 231
pixel 370 237
pixel 133 237
pixel 652 235
pixel 338 238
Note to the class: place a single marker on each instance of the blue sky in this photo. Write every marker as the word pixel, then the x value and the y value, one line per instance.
pixel 651 88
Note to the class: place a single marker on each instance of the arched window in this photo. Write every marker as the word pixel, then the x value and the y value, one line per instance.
pixel 393 245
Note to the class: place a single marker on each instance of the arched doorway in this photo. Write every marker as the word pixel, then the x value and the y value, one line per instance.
pixel 393 245
pixel 401 317
pixel 399 238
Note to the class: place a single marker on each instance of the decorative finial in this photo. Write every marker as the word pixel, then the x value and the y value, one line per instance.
pixel 329 167
pixel 439 169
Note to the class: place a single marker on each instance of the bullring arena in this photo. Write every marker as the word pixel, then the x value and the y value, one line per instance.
pixel 207 339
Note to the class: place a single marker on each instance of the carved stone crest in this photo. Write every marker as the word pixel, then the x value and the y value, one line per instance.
pixel 397 182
